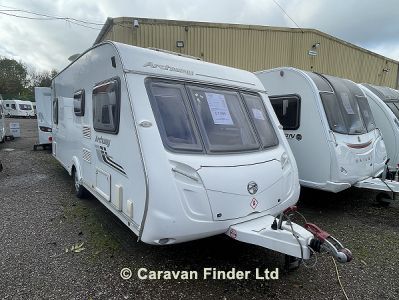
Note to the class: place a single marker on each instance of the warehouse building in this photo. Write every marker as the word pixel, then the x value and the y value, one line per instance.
pixel 256 48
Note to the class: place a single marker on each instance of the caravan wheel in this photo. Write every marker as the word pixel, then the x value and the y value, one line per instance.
pixel 80 190
pixel 383 199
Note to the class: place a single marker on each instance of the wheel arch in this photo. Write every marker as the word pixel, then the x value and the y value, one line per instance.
pixel 75 166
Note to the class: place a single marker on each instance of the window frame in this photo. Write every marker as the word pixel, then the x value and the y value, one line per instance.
pixel 244 108
pixel 115 131
pixel 298 112
pixel 82 100
pixel 396 105
pixel 343 86
pixel 158 117
pixel 188 102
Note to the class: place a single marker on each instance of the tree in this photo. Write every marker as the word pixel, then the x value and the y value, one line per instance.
pixel 42 79
pixel 13 78
pixel 17 83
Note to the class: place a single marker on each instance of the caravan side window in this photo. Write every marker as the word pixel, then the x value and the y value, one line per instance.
pixel 287 109
pixel 79 103
pixel 55 111
pixel 106 106
pixel 13 106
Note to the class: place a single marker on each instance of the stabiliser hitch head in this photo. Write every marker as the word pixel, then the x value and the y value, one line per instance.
pixel 325 241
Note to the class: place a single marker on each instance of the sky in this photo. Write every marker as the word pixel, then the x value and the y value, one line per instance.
pixel 46 44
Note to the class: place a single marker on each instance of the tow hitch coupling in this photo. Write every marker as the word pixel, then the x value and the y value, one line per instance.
pixel 324 241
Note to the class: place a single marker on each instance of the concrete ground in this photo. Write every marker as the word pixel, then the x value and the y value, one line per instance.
pixel 40 217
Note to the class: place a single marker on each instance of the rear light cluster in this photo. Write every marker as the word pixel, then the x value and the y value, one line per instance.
pixel 45 129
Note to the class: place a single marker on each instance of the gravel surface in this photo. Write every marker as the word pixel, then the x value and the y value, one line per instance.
pixel 41 217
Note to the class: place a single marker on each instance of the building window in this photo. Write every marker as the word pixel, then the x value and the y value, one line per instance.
pixel 287 109
pixel 79 103
pixel 106 106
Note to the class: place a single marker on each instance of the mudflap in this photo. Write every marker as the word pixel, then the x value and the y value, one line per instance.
pixel 260 232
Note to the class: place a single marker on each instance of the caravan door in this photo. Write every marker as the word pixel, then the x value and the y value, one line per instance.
pixel 43 106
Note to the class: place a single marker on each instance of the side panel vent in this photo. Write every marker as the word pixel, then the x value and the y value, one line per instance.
pixel 86 155
pixel 86 132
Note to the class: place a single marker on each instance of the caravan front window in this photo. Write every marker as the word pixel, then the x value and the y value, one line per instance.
pixel 203 118
pixel 261 120
pixel 175 125
pixel 346 109
pixel 394 107
pixel 333 113
pixel 106 106
pixel 367 115
pixel 222 120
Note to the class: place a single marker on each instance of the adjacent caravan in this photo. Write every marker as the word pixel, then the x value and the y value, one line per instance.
pixel 179 149
pixel 44 119
pixel 18 108
pixel 384 103
pixel 329 126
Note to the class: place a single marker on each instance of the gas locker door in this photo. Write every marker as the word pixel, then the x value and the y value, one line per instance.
pixel 237 191
pixel 103 184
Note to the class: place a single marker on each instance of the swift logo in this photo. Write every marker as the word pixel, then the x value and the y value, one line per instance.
pixel 103 141
pixel 252 187
pixel 168 68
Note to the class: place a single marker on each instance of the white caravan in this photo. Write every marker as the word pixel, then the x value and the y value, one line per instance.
pixel 44 120
pixel 178 149
pixel 384 103
pixel 2 122
pixel 330 128
pixel 18 108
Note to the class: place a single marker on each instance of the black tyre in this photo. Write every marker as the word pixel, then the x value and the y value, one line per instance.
pixel 80 190
pixel 291 263
pixel 383 199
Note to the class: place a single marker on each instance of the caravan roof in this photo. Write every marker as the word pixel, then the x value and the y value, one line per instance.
pixel 166 65
pixel 385 93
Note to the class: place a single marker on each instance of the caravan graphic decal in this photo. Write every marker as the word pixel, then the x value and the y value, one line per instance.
pixel 103 155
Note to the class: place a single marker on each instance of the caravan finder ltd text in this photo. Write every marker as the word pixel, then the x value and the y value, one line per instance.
pixel 206 274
